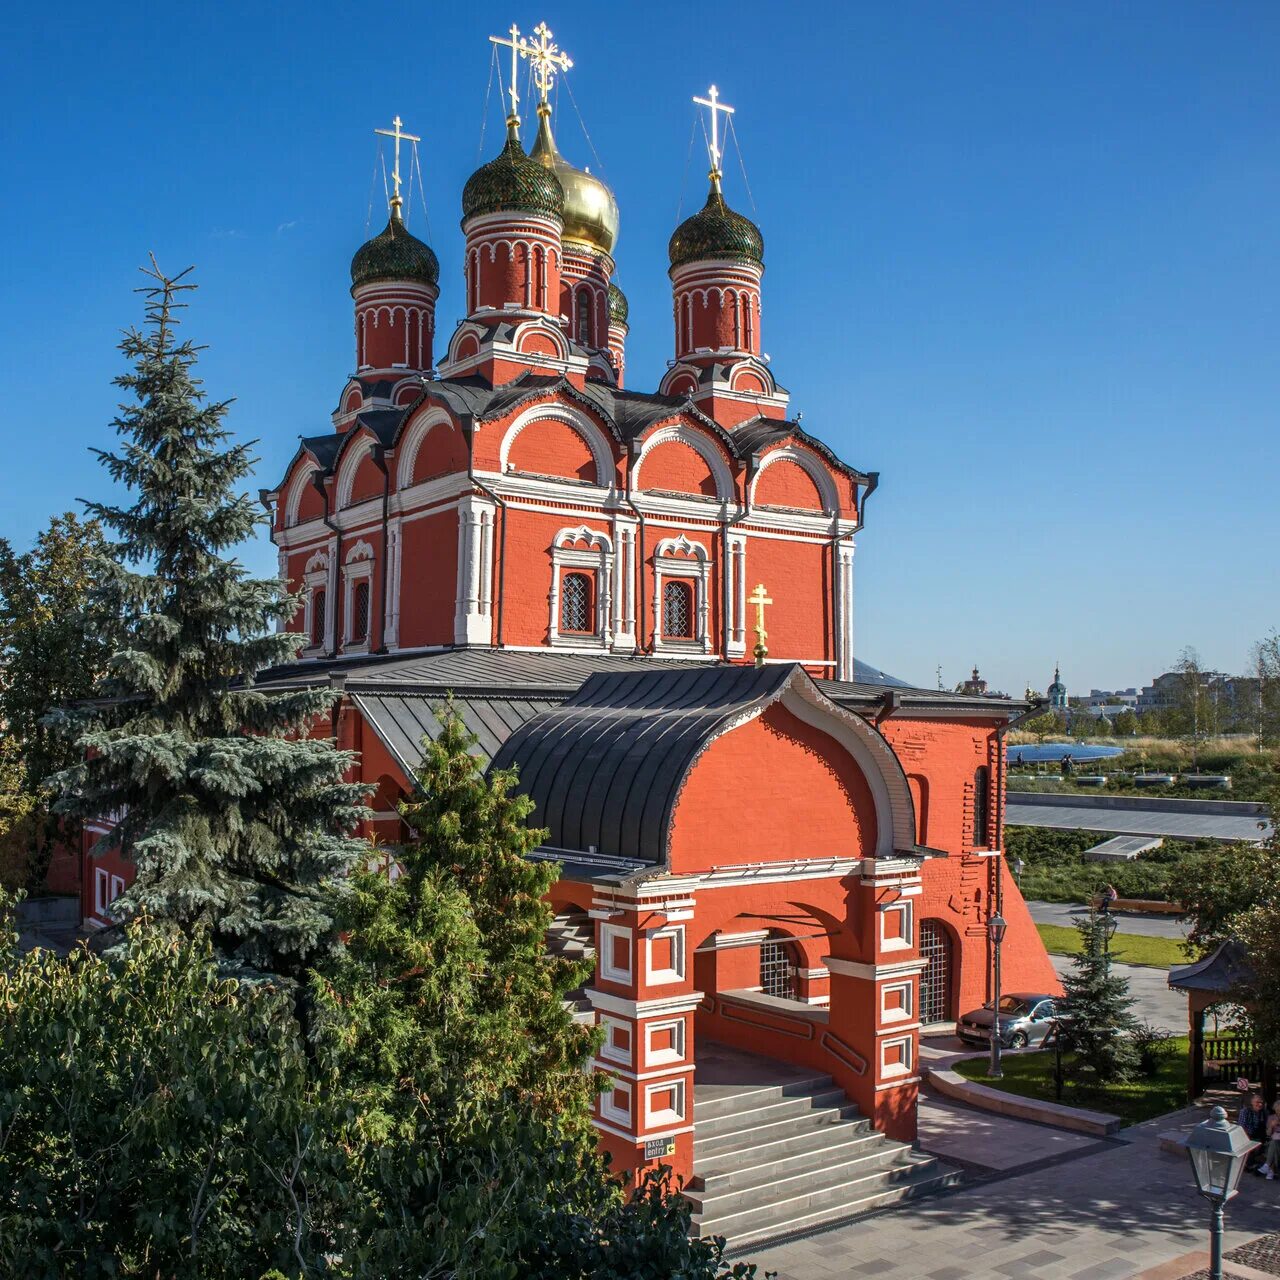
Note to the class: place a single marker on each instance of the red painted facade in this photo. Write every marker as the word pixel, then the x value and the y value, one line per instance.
pixel 514 497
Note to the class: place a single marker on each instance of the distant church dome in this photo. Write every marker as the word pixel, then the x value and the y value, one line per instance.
pixel 716 231
pixel 511 181
pixel 590 210
pixel 394 254
pixel 618 308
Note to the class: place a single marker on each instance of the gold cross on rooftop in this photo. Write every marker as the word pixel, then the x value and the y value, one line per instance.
pixel 519 47
pixel 712 100
pixel 546 60
pixel 400 137
pixel 759 599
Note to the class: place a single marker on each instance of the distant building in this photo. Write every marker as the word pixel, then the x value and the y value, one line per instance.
pixel 1058 692
pixel 974 685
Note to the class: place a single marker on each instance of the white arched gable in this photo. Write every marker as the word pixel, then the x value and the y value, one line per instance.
pixel 700 444
pixel 319 563
pixel 593 437
pixel 682 548
pixel 412 442
pixel 354 456
pixel 293 495
pixel 807 463
pixel 582 538
pixel 361 551
pixel 546 330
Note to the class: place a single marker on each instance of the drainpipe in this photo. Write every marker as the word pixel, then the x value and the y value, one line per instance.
pixel 1034 710
pixel 632 451
pixel 379 456
pixel 327 520
pixel 753 466
pixel 469 432
pixel 873 483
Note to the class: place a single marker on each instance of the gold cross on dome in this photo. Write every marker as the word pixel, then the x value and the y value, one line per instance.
pixel 519 47
pixel 400 137
pixel 759 599
pixel 712 101
pixel 546 58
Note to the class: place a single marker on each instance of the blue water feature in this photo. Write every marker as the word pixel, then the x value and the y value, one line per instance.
pixel 1056 750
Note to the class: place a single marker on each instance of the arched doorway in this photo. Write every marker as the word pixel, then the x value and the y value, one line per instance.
pixel 936 978
pixel 777 967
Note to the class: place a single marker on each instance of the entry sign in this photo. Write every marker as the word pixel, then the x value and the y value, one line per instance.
pixel 656 1148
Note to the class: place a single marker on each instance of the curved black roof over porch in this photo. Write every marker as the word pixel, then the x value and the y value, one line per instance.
pixel 605 768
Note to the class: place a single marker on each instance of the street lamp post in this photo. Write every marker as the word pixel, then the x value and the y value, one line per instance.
pixel 1218 1151
pixel 995 931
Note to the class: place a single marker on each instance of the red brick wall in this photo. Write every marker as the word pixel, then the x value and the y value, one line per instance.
pixel 786 484
pixel 428 578
pixel 677 467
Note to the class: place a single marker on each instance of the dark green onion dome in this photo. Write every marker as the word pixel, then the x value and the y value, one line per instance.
pixel 618 309
pixel 394 254
pixel 715 231
pixel 512 181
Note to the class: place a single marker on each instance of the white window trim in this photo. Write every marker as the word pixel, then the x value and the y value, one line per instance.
pixel 667 1115
pixel 591 550
pixel 608 970
pixel 101 890
pixel 316 578
pixel 358 568
pixel 610 1110
pixel 907 1012
pixel 661 1057
pixel 907 941
pixel 661 977
pixel 889 1070
pixel 688 560
pixel 623 1057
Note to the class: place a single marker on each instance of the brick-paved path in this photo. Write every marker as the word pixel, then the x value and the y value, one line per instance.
pixel 1106 1211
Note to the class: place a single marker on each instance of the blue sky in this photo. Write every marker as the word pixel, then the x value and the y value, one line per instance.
pixel 1022 260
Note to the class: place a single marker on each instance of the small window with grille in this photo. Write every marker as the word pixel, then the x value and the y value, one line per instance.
pixel 360 613
pixel 981 806
pixel 677 610
pixel 575 603
pixel 586 325
pixel 318 604
pixel 777 970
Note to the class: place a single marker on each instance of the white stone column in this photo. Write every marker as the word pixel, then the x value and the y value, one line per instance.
pixel 735 586
pixel 472 619
pixel 844 610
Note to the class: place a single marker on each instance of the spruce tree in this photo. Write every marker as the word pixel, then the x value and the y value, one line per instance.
pixel 236 819
pixel 1096 1024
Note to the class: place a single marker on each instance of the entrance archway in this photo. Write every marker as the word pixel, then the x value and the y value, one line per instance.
pixel 936 981
pixel 777 967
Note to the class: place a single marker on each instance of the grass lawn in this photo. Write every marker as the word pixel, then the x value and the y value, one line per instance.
pixel 1126 948
pixel 1030 1075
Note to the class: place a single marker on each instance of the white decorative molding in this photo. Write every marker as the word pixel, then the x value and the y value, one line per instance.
pixel 354 455
pixel 590 549
pixel 473 605
pixel 816 472
pixel 682 558
pixel 700 443
pixel 293 495
pixel 412 440
pixel 358 567
pixel 577 421
pixel 662 1006
pixel 874 972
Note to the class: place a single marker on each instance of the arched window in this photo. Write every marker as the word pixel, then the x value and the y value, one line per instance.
pixel 319 602
pixel 777 968
pixel 981 807
pixel 586 319
pixel 575 603
pixel 360 613
pixel 677 610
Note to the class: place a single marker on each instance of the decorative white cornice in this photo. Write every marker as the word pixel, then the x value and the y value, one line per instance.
pixel 636 1009
pixel 874 972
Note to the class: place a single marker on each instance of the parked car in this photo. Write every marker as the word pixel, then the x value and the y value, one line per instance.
pixel 1026 1018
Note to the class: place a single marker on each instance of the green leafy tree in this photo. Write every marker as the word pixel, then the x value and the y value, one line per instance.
pixel 448 1023
pixel 1220 889
pixel 52 650
pixel 156 1119
pixel 1096 1020
pixel 1043 725
pixel 234 817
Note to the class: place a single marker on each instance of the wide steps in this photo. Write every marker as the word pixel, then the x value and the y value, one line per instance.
pixel 770 1160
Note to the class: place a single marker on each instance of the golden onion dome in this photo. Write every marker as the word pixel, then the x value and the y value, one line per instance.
pixel 590 211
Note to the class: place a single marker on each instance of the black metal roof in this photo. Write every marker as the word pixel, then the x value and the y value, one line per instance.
pixel 1227 969
pixel 605 768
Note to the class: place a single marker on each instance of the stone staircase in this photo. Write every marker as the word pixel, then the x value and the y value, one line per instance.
pixel 771 1159
pixel 573 937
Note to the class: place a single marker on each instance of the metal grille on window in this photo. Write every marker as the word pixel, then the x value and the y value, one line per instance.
pixel 677 610
pixel 318 604
pixel 586 331
pixel 935 980
pixel 360 613
pixel 575 603
pixel 777 972
pixel 981 806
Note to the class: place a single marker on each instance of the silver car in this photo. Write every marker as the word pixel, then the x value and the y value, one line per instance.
pixel 1026 1018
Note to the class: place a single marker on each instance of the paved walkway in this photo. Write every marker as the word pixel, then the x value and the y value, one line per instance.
pixel 1067 913
pixel 1080 1209
pixel 1145 822
pixel 1153 1001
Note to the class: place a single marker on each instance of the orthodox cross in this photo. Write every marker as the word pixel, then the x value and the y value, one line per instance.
pixel 712 101
pixel 400 137
pixel 759 599
pixel 547 59
pixel 518 46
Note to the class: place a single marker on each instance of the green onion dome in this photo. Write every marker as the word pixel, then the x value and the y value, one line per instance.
pixel 512 181
pixel 618 309
pixel 394 254
pixel 715 231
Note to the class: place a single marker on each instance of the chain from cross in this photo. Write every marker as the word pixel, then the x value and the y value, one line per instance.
pixel 546 58
pixel 519 47
pixel 712 101
pixel 760 599
pixel 400 137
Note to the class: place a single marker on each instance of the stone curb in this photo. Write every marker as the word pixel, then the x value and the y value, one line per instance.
pixel 953 1085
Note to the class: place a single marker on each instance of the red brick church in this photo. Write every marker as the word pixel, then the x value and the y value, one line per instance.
pixel 644 600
